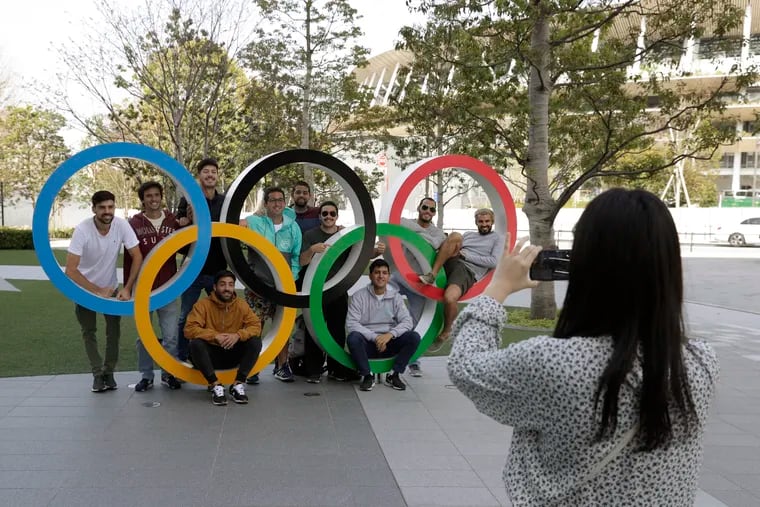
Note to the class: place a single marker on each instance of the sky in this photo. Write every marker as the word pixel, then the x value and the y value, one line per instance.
pixel 32 29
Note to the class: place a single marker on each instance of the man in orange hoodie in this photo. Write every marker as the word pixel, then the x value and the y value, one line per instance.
pixel 224 333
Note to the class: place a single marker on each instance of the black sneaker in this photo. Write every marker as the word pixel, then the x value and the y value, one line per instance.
pixel 368 382
pixel 338 377
pixel 98 384
pixel 393 380
pixel 110 381
pixel 170 381
pixel 285 374
pixel 415 370
pixel 237 391
pixel 144 385
pixel 217 395
pixel 252 380
pixel 314 379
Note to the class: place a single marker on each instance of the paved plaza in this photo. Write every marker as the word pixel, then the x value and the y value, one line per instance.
pixel 331 445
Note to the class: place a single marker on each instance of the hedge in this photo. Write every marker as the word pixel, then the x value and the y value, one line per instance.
pixel 16 239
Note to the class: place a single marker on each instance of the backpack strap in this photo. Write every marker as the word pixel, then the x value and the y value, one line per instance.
pixel 614 452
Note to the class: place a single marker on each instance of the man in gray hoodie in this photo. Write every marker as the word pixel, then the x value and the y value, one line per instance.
pixel 379 325
pixel 466 258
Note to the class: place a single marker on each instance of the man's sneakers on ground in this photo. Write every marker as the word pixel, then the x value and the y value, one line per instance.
pixel 144 385
pixel 217 395
pixel 252 380
pixel 284 374
pixel 415 370
pixel 428 278
pixel 103 382
pixel 169 381
pixel 110 381
pixel 237 392
pixel 368 382
pixel 394 380
pixel 314 379
pixel 98 384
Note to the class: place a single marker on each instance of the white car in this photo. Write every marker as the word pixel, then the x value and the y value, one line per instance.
pixel 747 232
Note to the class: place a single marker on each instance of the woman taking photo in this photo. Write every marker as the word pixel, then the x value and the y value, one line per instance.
pixel 611 409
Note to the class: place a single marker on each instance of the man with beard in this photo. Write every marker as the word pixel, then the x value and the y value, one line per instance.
pixel 307 217
pixel 466 258
pixel 423 227
pixel 279 227
pixel 379 325
pixel 91 264
pixel 334 310
pixel 208 174
pixel 152 225
pixel 224 333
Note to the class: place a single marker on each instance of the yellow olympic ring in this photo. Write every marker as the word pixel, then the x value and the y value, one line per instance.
pixel 159 255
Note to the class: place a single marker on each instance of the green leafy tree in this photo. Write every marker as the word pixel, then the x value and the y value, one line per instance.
pixel 306 50
pixel 566 88
pixel 31 148
pixel 178 87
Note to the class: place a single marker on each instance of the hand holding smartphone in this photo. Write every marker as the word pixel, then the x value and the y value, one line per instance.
pixel 551 265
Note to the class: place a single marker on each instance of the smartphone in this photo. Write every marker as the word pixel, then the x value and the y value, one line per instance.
pixel 551 265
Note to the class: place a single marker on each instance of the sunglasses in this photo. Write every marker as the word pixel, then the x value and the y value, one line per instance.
pixel 425 207
pixel 329 213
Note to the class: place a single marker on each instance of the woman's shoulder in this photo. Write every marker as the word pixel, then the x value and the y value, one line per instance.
pixel 567 354
pixel 699 355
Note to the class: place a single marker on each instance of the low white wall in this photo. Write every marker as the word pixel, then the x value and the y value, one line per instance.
pixel 694 224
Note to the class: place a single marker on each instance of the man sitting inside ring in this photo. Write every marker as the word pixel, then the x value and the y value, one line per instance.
pixel 224 333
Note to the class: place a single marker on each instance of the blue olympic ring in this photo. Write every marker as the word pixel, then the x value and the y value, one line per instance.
pixel 185 181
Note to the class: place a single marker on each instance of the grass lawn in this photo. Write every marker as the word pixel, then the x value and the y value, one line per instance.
pixel 28 257
pixel 508 336
pixel 41 335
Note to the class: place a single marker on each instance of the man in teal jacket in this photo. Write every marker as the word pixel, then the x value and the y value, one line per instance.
pixel 279 227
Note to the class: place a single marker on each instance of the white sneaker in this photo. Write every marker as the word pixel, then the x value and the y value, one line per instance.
pixel 237 391
pixel 217 395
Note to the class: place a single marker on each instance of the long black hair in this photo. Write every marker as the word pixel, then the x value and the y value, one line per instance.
pixel 626 282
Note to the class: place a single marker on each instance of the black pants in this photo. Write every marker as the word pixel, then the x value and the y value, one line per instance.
pixel 403 347
pixel 208 357
pixel 335 312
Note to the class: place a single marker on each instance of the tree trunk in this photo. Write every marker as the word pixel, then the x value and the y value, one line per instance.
pixel 439 197
pixel 538 200
pixel 308 173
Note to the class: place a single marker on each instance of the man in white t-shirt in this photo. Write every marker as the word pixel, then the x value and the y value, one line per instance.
pixel 91 263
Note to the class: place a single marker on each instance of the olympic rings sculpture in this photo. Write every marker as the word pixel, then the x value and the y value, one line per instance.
pixel 359 239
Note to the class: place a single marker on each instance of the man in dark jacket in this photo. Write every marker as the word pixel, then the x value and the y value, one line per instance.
pixel 208 173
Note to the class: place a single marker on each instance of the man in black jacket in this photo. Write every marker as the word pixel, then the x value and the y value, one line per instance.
pixel 208 173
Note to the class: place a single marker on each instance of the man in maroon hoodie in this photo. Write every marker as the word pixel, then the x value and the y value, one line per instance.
pixel 152 225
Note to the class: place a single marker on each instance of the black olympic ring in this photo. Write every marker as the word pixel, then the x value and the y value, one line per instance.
pixel 354 190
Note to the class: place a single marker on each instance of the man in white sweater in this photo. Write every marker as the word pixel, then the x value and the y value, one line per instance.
pixel 379 325
pixel 466 258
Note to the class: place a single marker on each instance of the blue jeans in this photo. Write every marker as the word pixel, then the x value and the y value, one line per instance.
pixel 402 347
pixel 189 297
pixel 167 321
pixel 415 302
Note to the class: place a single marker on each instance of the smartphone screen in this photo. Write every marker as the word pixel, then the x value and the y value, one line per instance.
pixel 551 265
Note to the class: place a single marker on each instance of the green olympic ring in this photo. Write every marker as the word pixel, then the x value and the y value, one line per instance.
pixel 314 317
